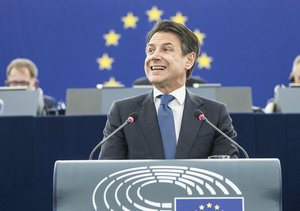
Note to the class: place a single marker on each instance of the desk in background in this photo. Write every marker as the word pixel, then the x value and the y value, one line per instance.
pixel 98 101
pixel 29 146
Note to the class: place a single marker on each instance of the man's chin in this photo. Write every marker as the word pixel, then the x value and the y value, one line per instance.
pixel 155 82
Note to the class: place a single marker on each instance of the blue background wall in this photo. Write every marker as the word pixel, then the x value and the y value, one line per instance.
pixel 252 43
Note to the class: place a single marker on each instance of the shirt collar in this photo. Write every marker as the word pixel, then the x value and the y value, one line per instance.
pixel 179 94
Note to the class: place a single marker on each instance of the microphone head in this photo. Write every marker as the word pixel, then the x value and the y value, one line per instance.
pixel 199 115
pixel 132 117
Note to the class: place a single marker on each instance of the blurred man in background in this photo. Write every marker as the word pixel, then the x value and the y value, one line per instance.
pixel 294 82
pixel 23 72
pixel 295 74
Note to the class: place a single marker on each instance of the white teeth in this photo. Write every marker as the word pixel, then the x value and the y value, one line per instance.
pixel 158 67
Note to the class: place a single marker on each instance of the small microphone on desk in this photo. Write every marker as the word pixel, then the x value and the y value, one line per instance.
pixel 131 119
pixel 201 117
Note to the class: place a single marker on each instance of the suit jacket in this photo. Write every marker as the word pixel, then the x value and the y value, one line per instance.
pixel 142 139
pixel 50 102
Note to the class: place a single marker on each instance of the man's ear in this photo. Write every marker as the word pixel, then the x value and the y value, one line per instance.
pixel 36 83
pixel 190 60
pixel 292 78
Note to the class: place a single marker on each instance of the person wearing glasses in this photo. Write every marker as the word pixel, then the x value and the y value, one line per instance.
pixel 23 72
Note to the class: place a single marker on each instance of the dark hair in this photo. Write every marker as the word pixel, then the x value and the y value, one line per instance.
pixel 189 41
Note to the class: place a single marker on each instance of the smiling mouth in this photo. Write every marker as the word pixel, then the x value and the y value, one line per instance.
pixel 157 67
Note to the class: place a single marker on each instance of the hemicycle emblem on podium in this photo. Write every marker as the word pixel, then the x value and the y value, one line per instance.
pixel 167 188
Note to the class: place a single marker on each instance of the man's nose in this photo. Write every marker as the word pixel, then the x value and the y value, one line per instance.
pixel 156 55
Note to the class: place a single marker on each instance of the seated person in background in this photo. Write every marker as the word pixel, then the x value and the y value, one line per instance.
pixel 294 79
pixel 189 82
pixel 295 74
pixel 23 72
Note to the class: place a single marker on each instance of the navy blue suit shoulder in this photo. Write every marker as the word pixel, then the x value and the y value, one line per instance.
pixel 142 139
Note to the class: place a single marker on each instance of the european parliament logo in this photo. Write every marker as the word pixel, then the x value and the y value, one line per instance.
pixel 210 204
pixel 167 188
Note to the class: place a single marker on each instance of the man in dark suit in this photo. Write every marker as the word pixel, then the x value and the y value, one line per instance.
pixel 171 52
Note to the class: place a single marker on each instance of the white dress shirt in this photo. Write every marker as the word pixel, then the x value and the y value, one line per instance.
pixel 177 105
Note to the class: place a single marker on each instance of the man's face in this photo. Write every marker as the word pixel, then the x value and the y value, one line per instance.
pixel 21 77
pixel 297 74
pixel 165 66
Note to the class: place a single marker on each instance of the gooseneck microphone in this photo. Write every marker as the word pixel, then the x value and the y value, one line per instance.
pixel 131 119
pixel 201 117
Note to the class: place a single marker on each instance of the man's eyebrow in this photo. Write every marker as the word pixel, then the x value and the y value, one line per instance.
pixel 164 44
pixel 168 43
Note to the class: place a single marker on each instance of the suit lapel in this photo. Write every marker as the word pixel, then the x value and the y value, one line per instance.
pixel 189 126
pixel 149 126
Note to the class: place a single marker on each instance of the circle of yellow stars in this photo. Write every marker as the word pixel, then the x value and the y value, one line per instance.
pixel 130 22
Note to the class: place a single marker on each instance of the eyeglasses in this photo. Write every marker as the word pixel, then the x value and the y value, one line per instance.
pixel 17 83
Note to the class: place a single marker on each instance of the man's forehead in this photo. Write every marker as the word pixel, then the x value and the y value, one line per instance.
pixel 164 38
pixel 20 70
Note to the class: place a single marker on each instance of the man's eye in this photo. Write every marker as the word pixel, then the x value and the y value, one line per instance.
pixel 17 83
pixel 150 50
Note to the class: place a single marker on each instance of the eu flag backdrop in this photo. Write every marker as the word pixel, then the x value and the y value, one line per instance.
pixel 82 43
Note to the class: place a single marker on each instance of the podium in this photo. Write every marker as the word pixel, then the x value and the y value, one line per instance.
pixel 168 185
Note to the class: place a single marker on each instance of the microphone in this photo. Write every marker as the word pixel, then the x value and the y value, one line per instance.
pixel 201 117
pixel 131 119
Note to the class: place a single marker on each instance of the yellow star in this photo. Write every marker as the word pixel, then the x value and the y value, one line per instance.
pixel 209 205
pixel 105 62
pixel 112 83
pixel 204 61
pixel 217 207
pixel 154 14
pixel 179 18
pixel 200 36
pixel 130 20
pixel 201 207
pixel 112 38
